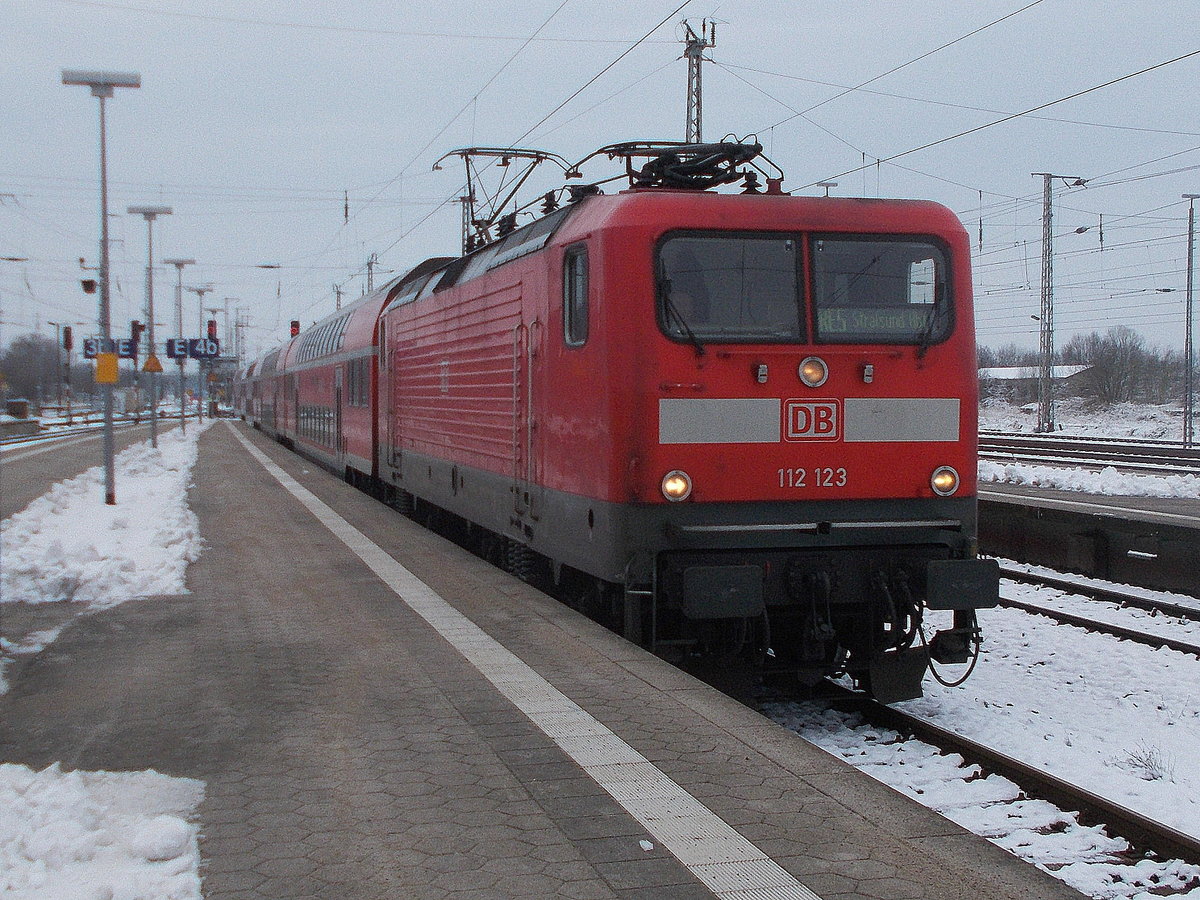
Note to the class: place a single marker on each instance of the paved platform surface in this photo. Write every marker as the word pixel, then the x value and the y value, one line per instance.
pixel 351 751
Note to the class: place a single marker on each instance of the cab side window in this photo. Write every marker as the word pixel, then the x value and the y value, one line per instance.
pixel 575 296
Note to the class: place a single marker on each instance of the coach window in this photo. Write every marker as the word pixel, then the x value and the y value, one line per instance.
pixel 575 296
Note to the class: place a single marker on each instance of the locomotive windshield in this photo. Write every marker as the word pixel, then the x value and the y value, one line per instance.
pixel 864 289
pixel 730 288
pixel 879 291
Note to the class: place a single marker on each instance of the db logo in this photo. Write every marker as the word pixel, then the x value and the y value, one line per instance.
pixel 812 420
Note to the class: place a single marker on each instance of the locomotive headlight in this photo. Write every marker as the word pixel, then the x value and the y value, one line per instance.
pixel 944 481
pixel 813 371
pixel 677 485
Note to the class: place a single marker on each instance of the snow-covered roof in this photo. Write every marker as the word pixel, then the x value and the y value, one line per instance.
pixel 1019 373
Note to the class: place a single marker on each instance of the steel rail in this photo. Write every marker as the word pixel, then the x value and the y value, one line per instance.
pixel 1158 457
pixel 74 431
pixel 1144 833
pixel 1119 631
pixel 1112 594
pixel 1096 440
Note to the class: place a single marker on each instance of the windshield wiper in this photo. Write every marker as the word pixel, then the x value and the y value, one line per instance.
pixel 925 338
pixel 664 292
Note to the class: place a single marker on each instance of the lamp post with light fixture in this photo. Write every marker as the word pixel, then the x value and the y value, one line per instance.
pixel 150 213
pixel 179 264
pixel 200 292
pixel 102 85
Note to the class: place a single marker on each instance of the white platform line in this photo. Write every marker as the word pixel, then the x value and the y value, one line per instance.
pixel 728 864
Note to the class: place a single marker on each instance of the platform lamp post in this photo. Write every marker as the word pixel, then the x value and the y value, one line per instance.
pixel 152 363
pixel 103 85
pixel 200 292
pixel 1189 362
pixel 179 264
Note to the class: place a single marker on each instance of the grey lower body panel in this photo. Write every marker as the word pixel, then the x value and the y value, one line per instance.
pixel 602 538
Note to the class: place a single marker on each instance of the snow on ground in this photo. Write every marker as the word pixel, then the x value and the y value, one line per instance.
pixel 1110 613
pixel 1079 419
pixel 70 545
pixel 99 835
pixel 1085 857
pixel 1126 420
pixel 1117 718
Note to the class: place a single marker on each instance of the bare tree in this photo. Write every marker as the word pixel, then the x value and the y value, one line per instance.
pixel 1118 358
pixel 30 367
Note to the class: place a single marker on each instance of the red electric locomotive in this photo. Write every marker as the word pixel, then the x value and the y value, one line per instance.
pixel 740 421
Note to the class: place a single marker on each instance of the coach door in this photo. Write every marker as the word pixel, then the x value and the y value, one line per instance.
pixel 339 445
pixel 526 489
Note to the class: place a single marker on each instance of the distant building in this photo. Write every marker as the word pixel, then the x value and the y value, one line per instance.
pixel 1020 383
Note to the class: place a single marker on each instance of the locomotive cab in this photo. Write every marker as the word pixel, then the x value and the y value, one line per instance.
pixel 809 487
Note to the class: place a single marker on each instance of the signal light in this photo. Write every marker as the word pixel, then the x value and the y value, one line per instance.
pixel 295 327
pixel 68 338
pixel 135 330
pixel 212 329
pixel 89 285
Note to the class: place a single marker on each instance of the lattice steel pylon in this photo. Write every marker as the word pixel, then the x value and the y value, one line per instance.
pixel 1189 363
pixel 695 47
pixel 1045 422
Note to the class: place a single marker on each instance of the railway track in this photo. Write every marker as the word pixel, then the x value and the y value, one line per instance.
pixel 1144 457
pixel 1130 597
pixel 76 430
pixel 1144 834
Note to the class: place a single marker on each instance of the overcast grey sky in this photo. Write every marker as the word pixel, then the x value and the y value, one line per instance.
pixel 255 117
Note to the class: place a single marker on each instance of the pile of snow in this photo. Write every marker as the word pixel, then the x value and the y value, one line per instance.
pixel 97 835
pixel 70 545
pixel 1107 481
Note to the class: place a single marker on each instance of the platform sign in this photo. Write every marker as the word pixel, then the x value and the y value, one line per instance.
pixel 204 348
pixel 122 348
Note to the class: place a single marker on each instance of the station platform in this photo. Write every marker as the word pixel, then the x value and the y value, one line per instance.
pixel 378 714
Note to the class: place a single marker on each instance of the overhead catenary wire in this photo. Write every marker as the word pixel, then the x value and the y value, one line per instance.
pixel 326 27
pixel 1008 118
pixel 910 62
pixel 947 104
pixel 601 73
